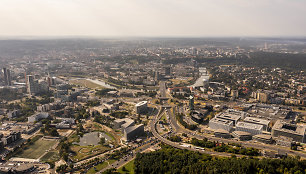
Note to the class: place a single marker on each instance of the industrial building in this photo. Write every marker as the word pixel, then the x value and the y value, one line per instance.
pixel 263 138
pixel 141 107
pixel 263 122
pixel 242 136
pixel 296 132
pixel 221 133
pixel 253 129
pixel 133 132
pixel 229 116
pixel 217 123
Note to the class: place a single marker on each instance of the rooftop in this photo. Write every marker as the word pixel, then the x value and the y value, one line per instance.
pixel 249 125
pixel 291 128
pixel 141 103
pixel 257 120
pixel 221 121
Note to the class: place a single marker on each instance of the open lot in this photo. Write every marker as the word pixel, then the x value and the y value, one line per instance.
pixel 37 149
pixel 86 83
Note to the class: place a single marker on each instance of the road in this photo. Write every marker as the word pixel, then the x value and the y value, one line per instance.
pixel 131 155
pixel 180 129
pixel 178 145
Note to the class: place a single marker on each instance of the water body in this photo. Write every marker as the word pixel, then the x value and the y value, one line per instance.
pixel 93 138
pixel 204 76
pixel 101 83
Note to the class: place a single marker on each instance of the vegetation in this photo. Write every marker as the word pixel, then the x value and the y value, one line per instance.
pixel 36 149
pixel 221 147
pixel 171 160
pixel 100 166
pixel 119 114
pixel 9 94
pixel 175 138
pixel 127 168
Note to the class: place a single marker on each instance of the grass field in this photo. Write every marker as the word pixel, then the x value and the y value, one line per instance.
pixel 100 166
pixel 50 156
pixel 37 149
pixel 86 83
pixel 83 152
pixel 129 168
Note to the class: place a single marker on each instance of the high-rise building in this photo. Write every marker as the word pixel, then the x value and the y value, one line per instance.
pixel 7 77
pixel 191 102
pixel 168 71
pixel 34 87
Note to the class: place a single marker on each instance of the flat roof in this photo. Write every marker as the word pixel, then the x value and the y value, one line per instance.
pixel 257 120
pixel 141 103
pixel 242 133
pixel 132 128
pixel 228 116
pixel 246 125
pixel 221 121
pixel 290 128
pixel 263 136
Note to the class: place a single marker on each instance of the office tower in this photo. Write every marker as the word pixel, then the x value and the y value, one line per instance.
pixel 191 102
pixel 167 71
pixel 7 77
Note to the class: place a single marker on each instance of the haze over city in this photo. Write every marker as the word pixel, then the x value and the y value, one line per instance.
pixel 153 18
pixel 153 86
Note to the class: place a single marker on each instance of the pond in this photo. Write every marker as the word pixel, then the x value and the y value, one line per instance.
pixel 93 138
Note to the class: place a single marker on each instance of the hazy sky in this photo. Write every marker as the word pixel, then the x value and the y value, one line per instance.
pixel 185 18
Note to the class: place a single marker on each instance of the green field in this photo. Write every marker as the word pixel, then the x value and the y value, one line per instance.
pixel 100 166
pixel 50 156
pixel 82 152
pixel 129 168
pixel 37 149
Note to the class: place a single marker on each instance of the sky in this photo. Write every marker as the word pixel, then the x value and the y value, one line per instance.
pixel 153 18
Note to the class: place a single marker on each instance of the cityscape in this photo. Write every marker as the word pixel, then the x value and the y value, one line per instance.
pixel 152 87
pixel 76 106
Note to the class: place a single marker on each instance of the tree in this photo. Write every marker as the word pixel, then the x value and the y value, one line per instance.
pixel 102 141
pixel 54 132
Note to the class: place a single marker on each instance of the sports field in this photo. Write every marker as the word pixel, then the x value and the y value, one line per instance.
pixel 37 149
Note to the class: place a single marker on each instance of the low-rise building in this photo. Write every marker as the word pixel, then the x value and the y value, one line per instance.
pixel 242 136
pixel 253 129
pixel 37 117
pixel 217 123
pixel 264 138
pixel 296 132
pixel 221 133
pixel 263 122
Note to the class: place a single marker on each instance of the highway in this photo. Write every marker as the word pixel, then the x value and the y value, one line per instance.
pixel 178 145
pixel 262 146
pixel 180 129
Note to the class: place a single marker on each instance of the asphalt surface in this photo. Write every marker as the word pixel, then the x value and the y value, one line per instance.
pixel 180 129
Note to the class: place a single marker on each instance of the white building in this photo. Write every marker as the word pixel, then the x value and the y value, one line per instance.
pixel 37 117
pixel 253 129
pixel 217 123
pixel 254 120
